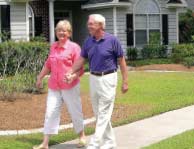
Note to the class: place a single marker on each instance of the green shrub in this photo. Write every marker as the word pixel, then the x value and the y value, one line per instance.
pixel 154 51
pixel 182 51
pixel 132 53
pixel 17 86
pixel 186 26
pixel 40 38
pixel 188 61
pixel 17 57
pixel 143 62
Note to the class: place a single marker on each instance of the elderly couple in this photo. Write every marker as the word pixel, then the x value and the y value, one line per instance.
pixel 65 65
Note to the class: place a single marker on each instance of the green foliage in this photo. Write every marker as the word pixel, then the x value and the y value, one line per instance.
pixel 154 38
pixel 132 53
pixel 154 49
pixel 19 64
pixel 188 61
pixel 186 27
pixel 149 62
pixel 183 53
pixel 5 36
pixel 17 86
pixel 22 56
pixel 40 38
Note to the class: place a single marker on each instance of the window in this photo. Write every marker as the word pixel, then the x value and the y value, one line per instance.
pixel 147 20
pixel 31 21
pixel 4 22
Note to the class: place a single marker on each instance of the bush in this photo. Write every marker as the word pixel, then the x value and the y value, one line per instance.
pixel 188 61
pixel 154 51
pixel 137 63
pixel 40 38
pixel 180 51
pixel 18 85
pixel 17 57
pixel 132 53
pixel 186 27
pixel 183 53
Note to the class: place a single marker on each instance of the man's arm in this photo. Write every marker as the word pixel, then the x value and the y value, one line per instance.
pixel 124 73
pixel 75 70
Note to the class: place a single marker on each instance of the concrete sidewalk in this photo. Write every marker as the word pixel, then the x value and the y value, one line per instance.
pixel 148 131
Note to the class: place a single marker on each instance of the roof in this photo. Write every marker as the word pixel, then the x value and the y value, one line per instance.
pixel 98 1
pixel 177 4
pixel 175 1
pixel 190 4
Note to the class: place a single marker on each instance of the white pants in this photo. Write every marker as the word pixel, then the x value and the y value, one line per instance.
pixel 103 90
pixel 55 100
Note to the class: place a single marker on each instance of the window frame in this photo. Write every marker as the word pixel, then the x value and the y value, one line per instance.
pixel 147 23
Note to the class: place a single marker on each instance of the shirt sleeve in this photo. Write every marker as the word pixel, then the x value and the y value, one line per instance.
pixel 118 49
pixel 84 52
pixel 47 63
pixel 76 56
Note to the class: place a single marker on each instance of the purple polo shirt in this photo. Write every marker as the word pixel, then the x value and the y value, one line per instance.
pixel 102 54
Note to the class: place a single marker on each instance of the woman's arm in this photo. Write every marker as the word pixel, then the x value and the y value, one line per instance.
pixel 41 75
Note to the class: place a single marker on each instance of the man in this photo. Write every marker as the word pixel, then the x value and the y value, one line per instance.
pixel 103 51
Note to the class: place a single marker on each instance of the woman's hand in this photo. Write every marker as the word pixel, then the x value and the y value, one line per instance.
pixel 39 84
pixel 69 77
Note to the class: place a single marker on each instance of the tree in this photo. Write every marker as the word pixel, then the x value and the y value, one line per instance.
pixel 186 27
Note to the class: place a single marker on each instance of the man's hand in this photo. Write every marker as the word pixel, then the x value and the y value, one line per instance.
pixel 124 88
pixel 69 77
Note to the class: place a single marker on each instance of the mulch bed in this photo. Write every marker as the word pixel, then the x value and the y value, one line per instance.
pixel 29 113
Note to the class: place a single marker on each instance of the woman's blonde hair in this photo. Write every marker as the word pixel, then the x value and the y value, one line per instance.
pixel 64 24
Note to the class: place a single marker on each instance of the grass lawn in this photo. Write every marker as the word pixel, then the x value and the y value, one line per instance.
pixel 149 62
pixel 150 93
pixel 182 141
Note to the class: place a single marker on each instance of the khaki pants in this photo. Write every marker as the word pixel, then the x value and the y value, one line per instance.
pixel 55 100
pixel 103 90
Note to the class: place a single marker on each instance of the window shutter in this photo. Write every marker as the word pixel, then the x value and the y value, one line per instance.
pixel 38 26
pixel 165 29
pixel 129 26
pixel 5 20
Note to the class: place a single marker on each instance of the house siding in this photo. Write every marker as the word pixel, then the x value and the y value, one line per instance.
pixel 19 21
pixel 172 27
pixel 121 27
pixel 190 4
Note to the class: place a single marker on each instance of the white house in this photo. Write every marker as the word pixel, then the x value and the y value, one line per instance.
pixel 131 21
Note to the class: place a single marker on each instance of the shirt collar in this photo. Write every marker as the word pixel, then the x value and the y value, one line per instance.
pixel 103 37
pixel 65 46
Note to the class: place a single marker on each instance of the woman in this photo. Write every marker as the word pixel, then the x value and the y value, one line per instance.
pixel 63 54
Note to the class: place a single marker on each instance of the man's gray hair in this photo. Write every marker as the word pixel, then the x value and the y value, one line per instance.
pixel 99 19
